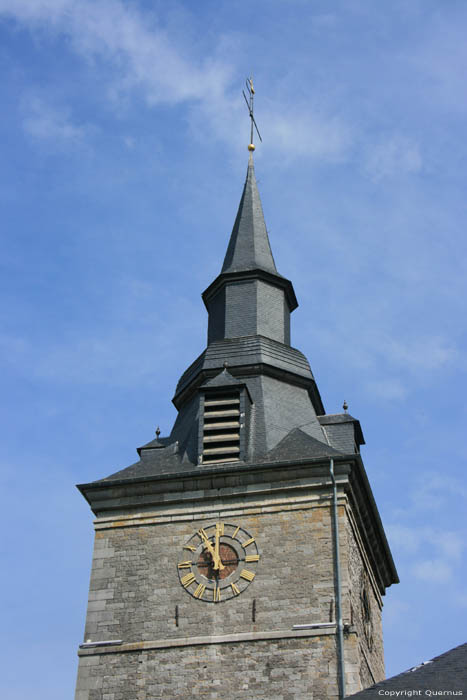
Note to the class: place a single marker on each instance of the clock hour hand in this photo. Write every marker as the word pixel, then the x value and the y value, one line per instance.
pixel 217 561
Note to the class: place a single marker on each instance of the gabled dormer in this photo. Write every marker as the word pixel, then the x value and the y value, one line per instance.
pixel 225 407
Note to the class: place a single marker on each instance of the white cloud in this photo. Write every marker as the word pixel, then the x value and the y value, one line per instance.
pixel 166 69
pixel 434 491
pixel 433 571
pixel 425 353
pixel 391 361
pixel 396 612
pixel 394 155
pixel 126 351
pixel 45 122
pixel 387 388
pixel 117 32
pixel 441 61
pixel 304 133
pixel 408 539
pixel 431 554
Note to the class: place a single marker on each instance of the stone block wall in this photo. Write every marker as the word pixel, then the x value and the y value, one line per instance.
pixel 289 669
pixel 174 645
pixel 135 586
pixel 363 606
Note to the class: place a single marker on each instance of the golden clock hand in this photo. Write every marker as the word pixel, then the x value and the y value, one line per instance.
pixel 211 550
pixel 218 559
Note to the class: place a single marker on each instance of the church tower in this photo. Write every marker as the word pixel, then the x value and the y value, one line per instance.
pixel 243 555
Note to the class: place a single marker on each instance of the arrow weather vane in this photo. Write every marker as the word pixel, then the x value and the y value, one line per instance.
pixel 249 104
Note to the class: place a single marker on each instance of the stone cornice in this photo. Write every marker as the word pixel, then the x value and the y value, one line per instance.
pixel 197 641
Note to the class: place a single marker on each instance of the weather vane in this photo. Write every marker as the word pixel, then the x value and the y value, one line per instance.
pixel 249 104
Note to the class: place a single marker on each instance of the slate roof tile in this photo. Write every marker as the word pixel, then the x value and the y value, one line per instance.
pixel 249 247
pixel 299 445
pixel 447 672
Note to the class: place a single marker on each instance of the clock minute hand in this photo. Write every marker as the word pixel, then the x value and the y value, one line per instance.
pixel 217 562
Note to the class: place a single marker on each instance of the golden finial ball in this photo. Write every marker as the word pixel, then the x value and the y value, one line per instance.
pixel 251 147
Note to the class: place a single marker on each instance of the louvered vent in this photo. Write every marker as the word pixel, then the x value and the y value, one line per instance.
pixel 221 430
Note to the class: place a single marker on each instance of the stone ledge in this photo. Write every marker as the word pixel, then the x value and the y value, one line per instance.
pixel 195 641
pixel 218 510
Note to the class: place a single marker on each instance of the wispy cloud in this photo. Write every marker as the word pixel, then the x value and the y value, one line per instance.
pixel 392 156
pixel 50 124
pixel 418 354
pixel 304 133
pixel 433 570
pixel 434 491
pixel 431 554
pixel 441 61
pixel 117 32
pixel 387 388
pixel 128 350
pixel 393 360
pixel 166 69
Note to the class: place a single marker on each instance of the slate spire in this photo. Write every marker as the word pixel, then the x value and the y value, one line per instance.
pixel 249 247
pixel 249 297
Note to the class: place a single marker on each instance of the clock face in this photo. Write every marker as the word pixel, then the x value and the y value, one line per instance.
pixel 218 562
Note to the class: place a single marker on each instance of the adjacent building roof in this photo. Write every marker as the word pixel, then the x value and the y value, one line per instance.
pixel 447 672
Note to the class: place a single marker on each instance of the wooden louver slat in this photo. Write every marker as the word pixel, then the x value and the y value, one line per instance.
pixel 221 429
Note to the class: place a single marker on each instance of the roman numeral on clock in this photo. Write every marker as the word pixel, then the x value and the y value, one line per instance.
pixel 247 575
pixel 199 590
pixel 187 580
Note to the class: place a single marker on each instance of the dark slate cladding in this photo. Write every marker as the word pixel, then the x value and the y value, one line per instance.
pixel 249 297
pixel 216 324
pixel 298 445
pixel 249 306
pixel 153 462
pixel 224 379
pixel 249 247
pixel 343 431
pixel 239 352
pixel 447 673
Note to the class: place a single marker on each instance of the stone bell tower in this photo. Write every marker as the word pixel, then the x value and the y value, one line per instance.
pixel 243 555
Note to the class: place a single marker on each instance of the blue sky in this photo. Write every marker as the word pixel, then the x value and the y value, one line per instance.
pixel 124 138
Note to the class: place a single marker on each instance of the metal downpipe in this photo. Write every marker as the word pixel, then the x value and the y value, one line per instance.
pixel 337 568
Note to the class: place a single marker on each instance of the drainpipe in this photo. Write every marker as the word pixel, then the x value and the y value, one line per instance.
pixel 340 624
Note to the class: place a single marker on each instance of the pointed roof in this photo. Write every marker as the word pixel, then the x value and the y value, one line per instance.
pixel 223 379
pixel 249 247
pixel 299 445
